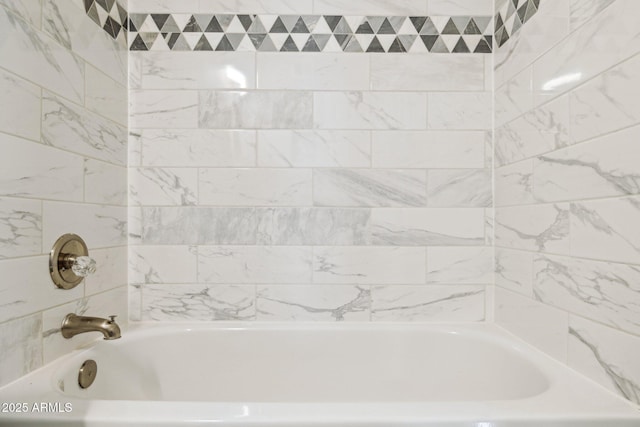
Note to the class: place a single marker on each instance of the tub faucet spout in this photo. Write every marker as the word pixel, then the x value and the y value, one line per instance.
pixel 73 325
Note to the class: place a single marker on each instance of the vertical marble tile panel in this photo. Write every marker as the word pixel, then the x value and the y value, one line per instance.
pixel 135 303
pixel 20 109
pixel 105 183
pixel 163 186
pixel 21 341
pixel 314 148
pixel 313 303
pixel 514 184
pixel 470 188
pixel 111 272
pixel 369 265
pixel 251 187
pixel 135 69
pixel 105 96
pixel 433 303
pixel 20 227
pixel 514 98
pixel 163 264
pixel 460 110
pixel 163 109
pixel 460 265
pixel 514 271
pixel 254 264
pixel 370 7
pixel 134 223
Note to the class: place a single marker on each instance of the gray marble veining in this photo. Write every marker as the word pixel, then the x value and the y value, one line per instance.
pixel 20 227
pixel 459 188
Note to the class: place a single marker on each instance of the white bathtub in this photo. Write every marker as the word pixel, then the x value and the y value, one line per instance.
pixel 304 375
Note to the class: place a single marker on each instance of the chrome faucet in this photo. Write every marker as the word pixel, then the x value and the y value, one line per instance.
pixel 73 325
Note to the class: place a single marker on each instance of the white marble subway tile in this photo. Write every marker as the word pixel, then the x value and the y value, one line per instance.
pixel 280 7
pixel 313 303
pixel 254 264
pixel 163 186
pixel 195 70
pixel 428 227
pixel 606 230
pixel 163 109
pixel 369 265
pixel 605 292
pixel 134 148
pixel 256 110
pixel 134 223
pixel 514 184
pixel 460 110
pixel 310 71
pixel 21 342
pixel 313 226
pixel 432 303
pixel 370 7
pixel 460 7
pixel 543 228
pixel 538 324
pixel 369 110
pixel 514 98
pixel 99 225
pixel 198 302
pixel 20 227
pixel 255 187
pixel 607 103
pixel 105 96
pixel 581 11
pixel 460 72
pixel 72 127
pixel 29 169
pixel 135 69
pixel 105 183
pixel 457 188
pixel 29 10
pixel 20 109
pixel 111 270
pixel 198 147
pixel 37 58
pixel 431 149
pixel 460 265
pixel 489 226
pixel 514 271
pixel 199 225
pixel 369 187
pixel 314 148
pixel 605 167
pixel 607 356
pixel 163 264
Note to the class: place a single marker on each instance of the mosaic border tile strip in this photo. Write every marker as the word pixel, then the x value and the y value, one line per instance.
pixel 512 16
pixel 310 33
pixel 108 14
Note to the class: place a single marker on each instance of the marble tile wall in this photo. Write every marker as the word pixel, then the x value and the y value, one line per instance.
pixel 567 184
pixel 63 169
pixel 310 186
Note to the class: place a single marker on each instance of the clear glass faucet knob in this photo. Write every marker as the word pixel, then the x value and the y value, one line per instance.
pixel 83 266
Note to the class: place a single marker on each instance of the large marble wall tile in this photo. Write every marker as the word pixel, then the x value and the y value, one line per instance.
pixel 255 187
pixel 427 72
pixel 105 96
pixel 370 7
pixel 369 187
pixel 369 110
pixel 514 98
pixel 432 149
pixel 195 70
pixel 29 10
pixel 100 226
pixel 20 109
pixel 460 265
pixel 543 129
pixel 254 264
pixel 607 166
pixel 607 103
pixel 21 342
pixel 606 230
pixel 256 110
pixel 432 227
pixel 604 292
pixel 111 270
pixel 543 228
pixel 460 7
pixel 460 110
pixel 584 10
pixel 314 226
pixel 198 302
pixel 369 265
pixel 310 71
pixel 163 109
pixel 163 264
pixel 20 227
pixel 198 147
pixel 514 184
pixel 514 270
pixel 314 148
pixel 605 355
pixel 163 186
pixel 37 58
pixel 198 225
pixel 71 127
pixel 35 290
pixel 105 183
pixel 540 325
pixel 470 188
pixel 313 303
pixel 29 169
pixel 434 303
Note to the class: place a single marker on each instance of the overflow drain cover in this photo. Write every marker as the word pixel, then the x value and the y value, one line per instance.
pixel 87 374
